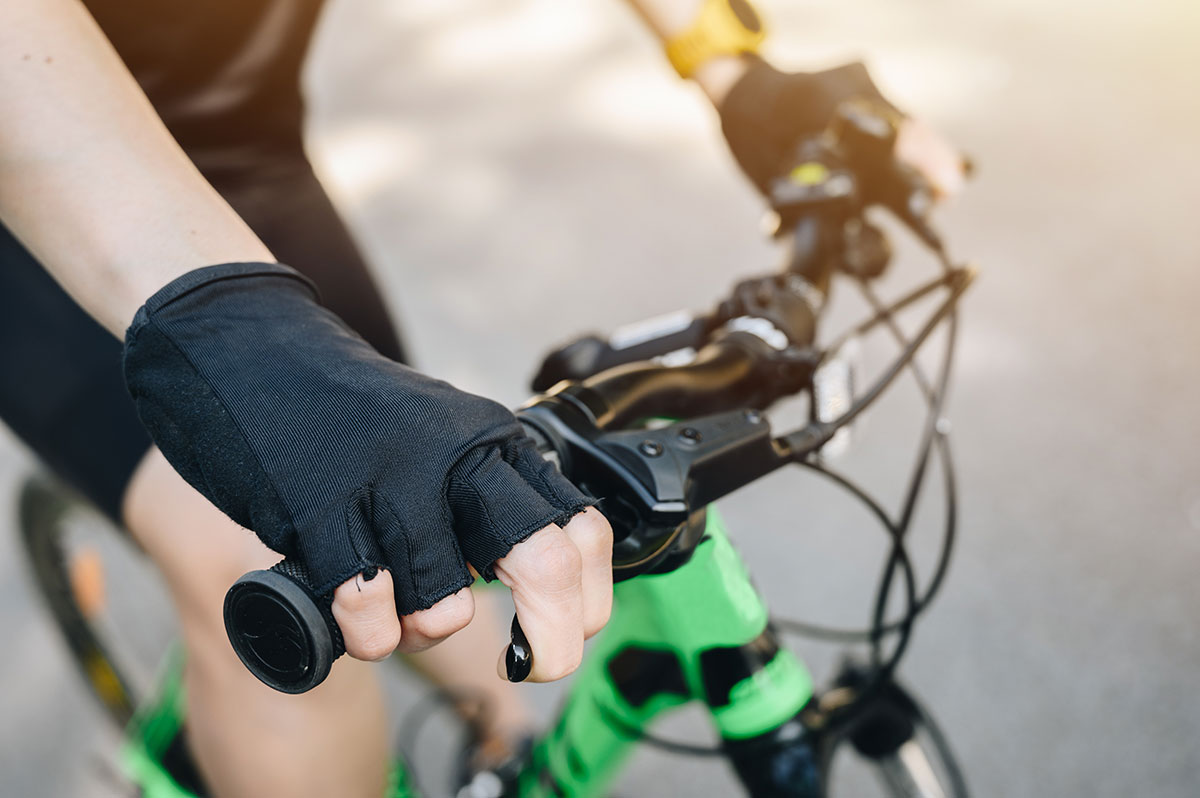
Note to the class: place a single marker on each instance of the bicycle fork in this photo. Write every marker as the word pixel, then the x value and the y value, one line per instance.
pixel 698 632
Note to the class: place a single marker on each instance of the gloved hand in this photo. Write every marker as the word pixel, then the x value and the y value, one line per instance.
pixel 298 430
pixel 767 112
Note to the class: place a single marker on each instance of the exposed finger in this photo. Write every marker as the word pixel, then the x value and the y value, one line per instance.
pixel 592 535
pixel 927 151
pixel 425 628
pixel 544 573
pixel 365 610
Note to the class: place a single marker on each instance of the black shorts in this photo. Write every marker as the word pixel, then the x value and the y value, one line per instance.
pixel 61 388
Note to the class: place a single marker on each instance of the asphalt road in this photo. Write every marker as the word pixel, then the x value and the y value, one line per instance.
pixel 523 171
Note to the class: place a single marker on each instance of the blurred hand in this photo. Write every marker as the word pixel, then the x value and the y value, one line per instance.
pixel 765 112
pixel 931 154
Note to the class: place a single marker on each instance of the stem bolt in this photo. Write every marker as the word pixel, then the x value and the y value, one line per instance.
pixel 651 448
pixel 690 435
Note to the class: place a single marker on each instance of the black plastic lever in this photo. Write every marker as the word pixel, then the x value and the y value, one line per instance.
pixel 652 480
pixel 592 354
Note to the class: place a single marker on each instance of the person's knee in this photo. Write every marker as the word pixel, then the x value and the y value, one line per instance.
pixel 199 551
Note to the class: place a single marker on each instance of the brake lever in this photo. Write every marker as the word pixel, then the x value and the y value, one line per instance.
pixel 913 204
pixel 652 480
pixel 661 475
pixel 643 340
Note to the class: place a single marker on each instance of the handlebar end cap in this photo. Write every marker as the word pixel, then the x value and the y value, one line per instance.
pixel 278 632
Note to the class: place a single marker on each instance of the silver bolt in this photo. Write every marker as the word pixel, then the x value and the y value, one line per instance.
pixel 651 448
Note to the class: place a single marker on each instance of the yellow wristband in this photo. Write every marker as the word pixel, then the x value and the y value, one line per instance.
pixel 723 27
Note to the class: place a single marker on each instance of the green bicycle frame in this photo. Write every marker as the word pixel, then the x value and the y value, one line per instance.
pixel 694 633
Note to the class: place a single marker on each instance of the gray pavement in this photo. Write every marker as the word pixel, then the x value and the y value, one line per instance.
pixel 523 171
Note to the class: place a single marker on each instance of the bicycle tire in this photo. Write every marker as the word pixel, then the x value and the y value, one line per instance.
pixel 929 738
pixel 912 773
pixel 923 765
pixel 45 510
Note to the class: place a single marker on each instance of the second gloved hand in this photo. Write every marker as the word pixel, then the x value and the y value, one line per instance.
pixel 767 112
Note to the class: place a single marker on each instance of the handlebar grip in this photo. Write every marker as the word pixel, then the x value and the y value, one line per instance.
pixel 281 630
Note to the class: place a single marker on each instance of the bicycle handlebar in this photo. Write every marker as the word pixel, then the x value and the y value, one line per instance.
pixel 757 350
pixel 285 633
pixel 739 370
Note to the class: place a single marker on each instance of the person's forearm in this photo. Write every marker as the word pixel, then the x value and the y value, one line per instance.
pixel 667 19
pixel 90 179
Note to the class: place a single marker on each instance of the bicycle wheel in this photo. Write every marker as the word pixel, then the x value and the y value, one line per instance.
pixel 906 749
pixel 917 769
pixel 113 612
pixel 104 598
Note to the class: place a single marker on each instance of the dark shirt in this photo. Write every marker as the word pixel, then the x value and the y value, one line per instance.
pixel 224 75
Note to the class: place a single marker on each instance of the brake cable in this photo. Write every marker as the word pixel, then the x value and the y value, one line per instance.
pixel 934 438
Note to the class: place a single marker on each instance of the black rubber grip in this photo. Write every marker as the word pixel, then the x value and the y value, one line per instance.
pixel 282 631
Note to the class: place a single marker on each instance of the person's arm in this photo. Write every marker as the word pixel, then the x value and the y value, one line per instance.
pixel 667 19
pixel 223 353
pixel 91 182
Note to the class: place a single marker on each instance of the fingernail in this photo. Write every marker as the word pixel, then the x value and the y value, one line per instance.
pixel 369 573
pixel 518 660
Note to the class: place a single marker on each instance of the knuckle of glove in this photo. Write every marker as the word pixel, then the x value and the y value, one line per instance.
pixel 501 494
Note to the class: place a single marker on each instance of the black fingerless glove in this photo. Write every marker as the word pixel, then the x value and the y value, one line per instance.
pixel 297 429
pixel 767 112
